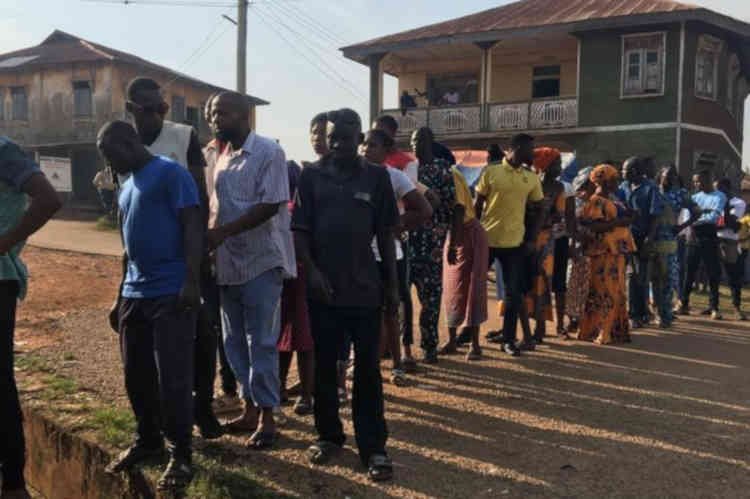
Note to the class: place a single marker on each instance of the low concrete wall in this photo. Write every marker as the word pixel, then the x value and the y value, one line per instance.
pixel 61 465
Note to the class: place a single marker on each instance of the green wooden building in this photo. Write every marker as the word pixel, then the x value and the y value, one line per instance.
pixel 606 79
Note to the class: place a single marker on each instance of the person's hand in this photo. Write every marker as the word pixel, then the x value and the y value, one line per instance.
pixel 392 299
pixel 320 289
pixel 114 316
pixel 215 237
pixel 190 296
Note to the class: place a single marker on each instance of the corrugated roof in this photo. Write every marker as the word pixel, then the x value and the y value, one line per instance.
pixel 532 13
pixel 64 48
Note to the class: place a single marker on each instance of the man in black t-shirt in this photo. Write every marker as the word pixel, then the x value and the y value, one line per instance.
pixel 342 203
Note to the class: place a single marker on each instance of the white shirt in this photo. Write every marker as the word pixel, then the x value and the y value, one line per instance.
pixel 402 185
pixel 451 98
pixel 738 208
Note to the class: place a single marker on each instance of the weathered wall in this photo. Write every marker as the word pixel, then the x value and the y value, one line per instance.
pixel 601 81
pixel 694 142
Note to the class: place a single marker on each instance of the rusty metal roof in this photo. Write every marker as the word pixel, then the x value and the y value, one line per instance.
pixel 531 14
pixel 64 48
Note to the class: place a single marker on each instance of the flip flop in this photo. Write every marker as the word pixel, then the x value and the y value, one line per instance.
pixel 263 440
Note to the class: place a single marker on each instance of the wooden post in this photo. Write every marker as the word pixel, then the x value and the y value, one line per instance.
pixel 376 85
pixel 485 82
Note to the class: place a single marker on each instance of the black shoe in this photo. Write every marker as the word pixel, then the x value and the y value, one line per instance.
pixel 208 426
pixel 464 338
pixel 708 311
pixel 494 337
pixel 527 346
pixel 539 339
pixel 511 349
pixel 177 476
pixel 430 357
pixel 132 456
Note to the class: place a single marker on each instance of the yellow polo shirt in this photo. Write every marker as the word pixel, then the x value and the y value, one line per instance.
pixel 463 195
pixel 507 190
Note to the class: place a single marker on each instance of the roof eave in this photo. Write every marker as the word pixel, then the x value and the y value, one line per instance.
pixel 359 53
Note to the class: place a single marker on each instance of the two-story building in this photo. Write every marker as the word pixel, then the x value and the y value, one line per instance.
pixel 55 96
pixel 606 79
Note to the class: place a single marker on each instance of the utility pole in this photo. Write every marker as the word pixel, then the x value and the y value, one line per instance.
pixel 242 47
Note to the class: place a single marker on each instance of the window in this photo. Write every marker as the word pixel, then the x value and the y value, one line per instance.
pixel 732 78
pixel 707 66
pixel 193 117
pixel 643 64
pixel 82 105
pixel 706 161
pixel 178 109
pixel 546 82
pixel 20 109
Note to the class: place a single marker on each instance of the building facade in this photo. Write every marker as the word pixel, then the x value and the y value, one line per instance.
pixel 606 79
pixel 55 96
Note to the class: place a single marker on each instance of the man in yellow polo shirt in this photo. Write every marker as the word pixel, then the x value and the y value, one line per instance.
pixel 503 193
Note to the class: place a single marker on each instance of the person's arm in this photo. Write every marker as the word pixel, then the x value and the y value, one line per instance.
pixel 479 206
pixel 656 208
pixel 114 311
pixel 274 196
pixel 44 204
pixel 197 169
pixel 538 209
pixel 386 221
pixel 456 234
pixel 191 219
pixel 417 210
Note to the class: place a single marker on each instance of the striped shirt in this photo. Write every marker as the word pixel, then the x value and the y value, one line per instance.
pixel 255 174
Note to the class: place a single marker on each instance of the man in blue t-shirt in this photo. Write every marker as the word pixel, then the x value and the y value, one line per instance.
pixel 156 309
pixel 705 245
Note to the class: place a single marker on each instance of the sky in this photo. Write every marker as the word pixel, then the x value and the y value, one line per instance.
pixel 293 57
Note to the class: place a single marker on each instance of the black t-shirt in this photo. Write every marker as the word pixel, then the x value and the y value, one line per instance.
pixel 442 152
pixel 342 215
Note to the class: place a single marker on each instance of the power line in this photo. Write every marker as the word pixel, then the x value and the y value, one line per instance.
pixel 198 53
pixel 304 41
pixel 270 24
pixel 169 3
pixel 310 22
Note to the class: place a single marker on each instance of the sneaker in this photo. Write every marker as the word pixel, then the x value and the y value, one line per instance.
pixel 511 349
pixel 716 315
pixel 177 476
pixel 398 378
pixel 136 454
pixel 527 346
pixel 739 315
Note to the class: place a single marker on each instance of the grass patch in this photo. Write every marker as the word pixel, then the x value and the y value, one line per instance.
pixel 31 363
pixel 58 387
pixel 69 357
pixel 114 426
pixel 214 480
pixel 105 223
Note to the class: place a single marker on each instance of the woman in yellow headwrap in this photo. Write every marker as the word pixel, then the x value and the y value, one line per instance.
pixel 605 317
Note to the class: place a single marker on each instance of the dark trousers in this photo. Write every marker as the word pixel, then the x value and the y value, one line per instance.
pixel 206 343
pixel 12 446
pixel 427 276
pixel 706 250
pixel 735 271
pixel 157 343
pixel 512 262
pixel 638 281
pixel 404 290
pixel 682 267
pixel 330 325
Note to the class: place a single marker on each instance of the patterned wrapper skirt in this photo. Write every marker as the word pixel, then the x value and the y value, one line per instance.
pixel 578 286
pixel 295 323
pixel 465 283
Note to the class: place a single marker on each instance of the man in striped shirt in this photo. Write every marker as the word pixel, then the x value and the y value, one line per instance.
pixel 249 227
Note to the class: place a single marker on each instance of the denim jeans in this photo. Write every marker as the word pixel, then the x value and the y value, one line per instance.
pixel 251 321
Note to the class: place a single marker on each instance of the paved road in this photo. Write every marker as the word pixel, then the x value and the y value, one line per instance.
pixel 82 237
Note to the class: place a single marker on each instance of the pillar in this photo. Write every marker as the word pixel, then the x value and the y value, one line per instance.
pixel 485 80
pixel 376 85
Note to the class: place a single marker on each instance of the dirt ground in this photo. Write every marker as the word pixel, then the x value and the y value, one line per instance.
pixel 667 416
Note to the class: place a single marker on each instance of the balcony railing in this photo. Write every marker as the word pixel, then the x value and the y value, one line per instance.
pixel 468 119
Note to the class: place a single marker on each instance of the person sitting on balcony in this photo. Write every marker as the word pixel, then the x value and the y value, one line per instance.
pixel 451 97
pixel 407 102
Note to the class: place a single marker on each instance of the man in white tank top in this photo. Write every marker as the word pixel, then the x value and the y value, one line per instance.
pixel 180 143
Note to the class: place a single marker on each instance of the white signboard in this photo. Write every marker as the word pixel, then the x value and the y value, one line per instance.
pixel 58 172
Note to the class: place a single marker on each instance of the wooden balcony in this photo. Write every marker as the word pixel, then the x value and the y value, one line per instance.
pixel 474 118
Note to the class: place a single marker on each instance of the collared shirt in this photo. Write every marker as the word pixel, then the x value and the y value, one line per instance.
pixel 675 200
pixel 255 174
pixel 15 169
pixel 507 190
pixel 646 201
pixel 341 216
pixel 712 203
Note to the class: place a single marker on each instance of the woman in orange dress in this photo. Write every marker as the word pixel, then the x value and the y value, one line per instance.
pixel 605 317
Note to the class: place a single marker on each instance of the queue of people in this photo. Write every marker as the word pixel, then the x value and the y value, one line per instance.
pixel 234 252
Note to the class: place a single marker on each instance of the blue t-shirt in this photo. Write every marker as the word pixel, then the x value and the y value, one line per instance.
pixel 714 201
pixel 646 201
pixel 150 202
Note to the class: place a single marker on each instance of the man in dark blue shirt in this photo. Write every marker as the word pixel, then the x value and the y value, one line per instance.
pixel 156 308
pixel 643 198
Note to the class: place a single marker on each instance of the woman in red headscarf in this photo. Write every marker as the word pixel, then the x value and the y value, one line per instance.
pixel 605 316
pixel 548 164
